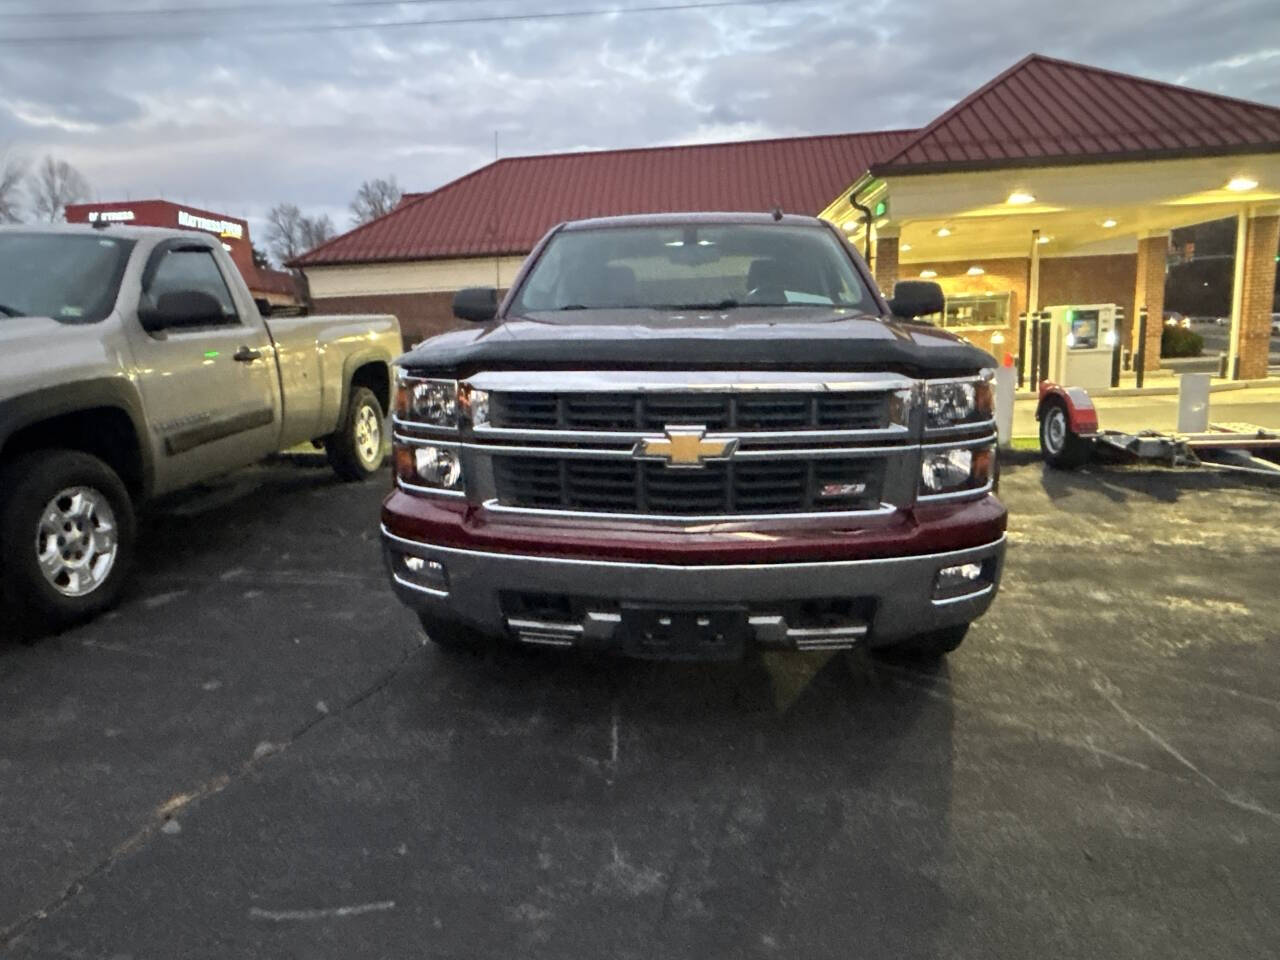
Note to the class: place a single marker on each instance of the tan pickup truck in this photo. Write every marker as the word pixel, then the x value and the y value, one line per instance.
pixel 134 362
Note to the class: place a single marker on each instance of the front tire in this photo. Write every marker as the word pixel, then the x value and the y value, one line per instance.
pixel 926 646
pixel 66 537
pixel 451 635
pixel 1060 446
pixel 355 450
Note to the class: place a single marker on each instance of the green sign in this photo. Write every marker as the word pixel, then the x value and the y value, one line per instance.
pixel 882 208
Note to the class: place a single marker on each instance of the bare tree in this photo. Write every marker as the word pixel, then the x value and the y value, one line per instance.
pixel 291 233
pixel 53 185
pixel 13 170
pixel 375 198
pixel 317 230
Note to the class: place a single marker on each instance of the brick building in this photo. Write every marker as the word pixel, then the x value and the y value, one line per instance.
pixel 275 287
pixel 1055 183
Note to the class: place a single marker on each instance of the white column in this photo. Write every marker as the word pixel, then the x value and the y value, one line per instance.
pixel 1237 291
pixel 1033 282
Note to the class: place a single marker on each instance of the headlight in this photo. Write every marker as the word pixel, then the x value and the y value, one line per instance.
pixel 900 403
pixel 440 403
pixel 433 402
pixel 952 403
pixel 955 470
pixel 474 404
pixel 437 467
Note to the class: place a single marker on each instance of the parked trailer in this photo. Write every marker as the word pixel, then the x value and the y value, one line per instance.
pixel 1070 437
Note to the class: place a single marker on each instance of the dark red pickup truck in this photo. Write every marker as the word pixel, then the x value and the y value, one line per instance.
pixel 682 436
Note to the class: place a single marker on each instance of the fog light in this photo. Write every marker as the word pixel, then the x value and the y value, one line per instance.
pixel 962 579
pixel 424 573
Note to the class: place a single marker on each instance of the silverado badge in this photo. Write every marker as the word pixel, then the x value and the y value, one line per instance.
pixel 685 447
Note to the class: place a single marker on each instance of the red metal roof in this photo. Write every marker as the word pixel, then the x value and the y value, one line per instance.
pixel 271 281
pixel 506 207
pixel 1042 111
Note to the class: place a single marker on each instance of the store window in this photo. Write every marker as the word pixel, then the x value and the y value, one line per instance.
pixel 977 310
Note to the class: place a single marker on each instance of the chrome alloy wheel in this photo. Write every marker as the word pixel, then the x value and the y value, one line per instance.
pixel 77 541
pixel 368 435
pixel 1055 430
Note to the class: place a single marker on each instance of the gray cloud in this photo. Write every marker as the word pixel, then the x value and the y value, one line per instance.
pixel 243 119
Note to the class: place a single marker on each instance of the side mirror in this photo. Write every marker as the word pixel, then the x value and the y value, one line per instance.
pixel 180 308
pixel 478 304
pixel 916 298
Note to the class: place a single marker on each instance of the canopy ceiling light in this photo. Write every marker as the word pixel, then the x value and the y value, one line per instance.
pixel 943 232
pixel 1043 239
pixel 904 247
pixel 975 271
pixel 1020 197
pixel 851 225
pixel 928 274
pixel 1108 223
pixel 1241 184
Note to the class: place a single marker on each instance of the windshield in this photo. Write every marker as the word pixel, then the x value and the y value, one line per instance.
pixel 69 277
pixel 686 267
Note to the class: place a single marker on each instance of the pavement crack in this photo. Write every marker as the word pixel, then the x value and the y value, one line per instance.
pixel 322 913
pixel 168 811
pixel 675 874
pixel 1105 689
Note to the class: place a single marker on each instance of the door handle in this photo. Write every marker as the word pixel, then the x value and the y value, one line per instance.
pixel 246 355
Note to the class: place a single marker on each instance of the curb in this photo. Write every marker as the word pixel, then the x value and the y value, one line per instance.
pixel 1172 391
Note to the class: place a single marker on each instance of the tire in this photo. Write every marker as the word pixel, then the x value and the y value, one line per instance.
pixel 355 450
pixel 1060 447
pixel 926 646
pixel 451 635
pixel 75 508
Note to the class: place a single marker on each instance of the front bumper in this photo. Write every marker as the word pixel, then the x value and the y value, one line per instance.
pixel 886 599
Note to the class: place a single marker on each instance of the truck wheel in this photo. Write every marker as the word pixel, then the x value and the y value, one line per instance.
pixel 927 646
pixel 451 635
pixel 1061 447
pixel 66 536
pixel 355 450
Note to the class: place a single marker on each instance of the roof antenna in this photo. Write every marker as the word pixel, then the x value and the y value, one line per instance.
pixel 777 213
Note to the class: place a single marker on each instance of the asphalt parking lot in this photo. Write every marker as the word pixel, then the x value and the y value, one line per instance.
pixel 257 756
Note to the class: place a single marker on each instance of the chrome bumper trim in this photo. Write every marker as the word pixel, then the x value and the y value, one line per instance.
pixel 898 589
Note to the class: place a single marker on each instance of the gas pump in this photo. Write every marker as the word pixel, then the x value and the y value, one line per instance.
pixel 1080 344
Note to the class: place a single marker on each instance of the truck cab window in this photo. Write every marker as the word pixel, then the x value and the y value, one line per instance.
pixel 193 270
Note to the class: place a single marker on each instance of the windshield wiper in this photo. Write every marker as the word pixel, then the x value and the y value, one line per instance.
pixel 728 304
pixel 9 311
pixel 575 306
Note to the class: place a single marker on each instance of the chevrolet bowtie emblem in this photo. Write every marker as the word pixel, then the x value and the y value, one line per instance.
pixel 685 447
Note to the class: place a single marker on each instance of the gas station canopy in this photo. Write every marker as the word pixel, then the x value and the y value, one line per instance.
pixel 1053 159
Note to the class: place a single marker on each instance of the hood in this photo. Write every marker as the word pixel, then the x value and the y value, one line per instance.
pixel 739 339
pixel 38 352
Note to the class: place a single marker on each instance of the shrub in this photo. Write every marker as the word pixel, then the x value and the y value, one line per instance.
pixel 1180 342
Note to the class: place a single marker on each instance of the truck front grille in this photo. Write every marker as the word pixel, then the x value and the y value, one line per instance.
pixel 745 412
pixel 739 487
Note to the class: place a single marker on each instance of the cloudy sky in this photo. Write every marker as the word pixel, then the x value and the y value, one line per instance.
pixel 246 104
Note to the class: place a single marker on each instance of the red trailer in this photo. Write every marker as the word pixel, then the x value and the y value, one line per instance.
pixel 1070 437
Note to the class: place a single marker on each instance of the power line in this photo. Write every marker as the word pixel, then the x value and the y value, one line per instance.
pixel 258 8
pixel 107 38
